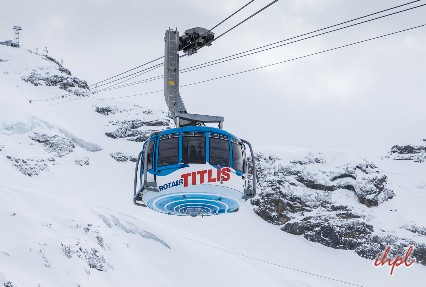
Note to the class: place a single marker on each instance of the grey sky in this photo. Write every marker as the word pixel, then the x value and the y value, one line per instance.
pixel 363 98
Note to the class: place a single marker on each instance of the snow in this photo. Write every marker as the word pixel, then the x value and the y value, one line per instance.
pixel 76 225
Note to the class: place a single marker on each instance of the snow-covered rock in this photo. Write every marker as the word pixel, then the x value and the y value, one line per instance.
pixel 302 194
pixel 59 77
pixel 58 145
pixel 416 153
pixel 133 123
pixel 121 157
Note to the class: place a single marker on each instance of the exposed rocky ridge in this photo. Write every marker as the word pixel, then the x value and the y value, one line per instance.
pixel 126 131
pixel 60 66
pixel 82 162
pixel 299 195
pixel 58 145
pixel 364 178
pixel 36 145
pixel 30 167
pixel 61 78
pixel 121 157
pixel 133 123
pixel 416 229
pixel 416 153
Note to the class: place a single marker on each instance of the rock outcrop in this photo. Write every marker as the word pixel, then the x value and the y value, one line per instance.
pixel 322 197
pixel 133 123
pixel 416 153
pixel 61 78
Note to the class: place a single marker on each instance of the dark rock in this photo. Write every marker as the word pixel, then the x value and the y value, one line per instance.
pixel 314 185
pixel 344 175
pixel 348 234
pixel 296 196
pixel 106 110
pixel 121 157
pixel 82 162
pixel 60 67
pixel 407 149
pixel 54 144
pixel 30 167
pixel 93 258
pixel 129 134
pixel 309 160
pixel 415 153
pixel 135 124
pixel 419 253
pixel 416 229
pixel 66 82
pixel 347 215
pixel 295 228
pixel 133 130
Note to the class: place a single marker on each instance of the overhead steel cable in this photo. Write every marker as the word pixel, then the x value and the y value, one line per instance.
pixel 221 22
pixel 281 43
pixel 117 86
pixel 304 56
pixel 299 270
pixel 286 42
pixel 319 30
pixel 147 70
pixel 147 63
pixel 133 75
pixel 137 74
pixel 141 72
pixel 251 16
pixel 264 66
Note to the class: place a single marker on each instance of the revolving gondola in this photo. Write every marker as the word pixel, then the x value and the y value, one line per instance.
pixel 192 169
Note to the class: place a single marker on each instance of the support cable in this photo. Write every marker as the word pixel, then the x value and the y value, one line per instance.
pixel 264 66
pixel 299 270
pixel 152 61
pixel 267 47
pixel 221 22
pixel 261 48
pixel 270 46
pixel 251 16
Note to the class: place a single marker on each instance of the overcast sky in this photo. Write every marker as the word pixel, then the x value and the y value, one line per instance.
pixel 364 98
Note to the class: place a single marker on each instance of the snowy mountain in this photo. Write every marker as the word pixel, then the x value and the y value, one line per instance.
pixel 344 202
pixel 67 160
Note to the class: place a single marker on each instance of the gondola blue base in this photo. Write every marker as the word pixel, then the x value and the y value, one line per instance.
pixel 193 204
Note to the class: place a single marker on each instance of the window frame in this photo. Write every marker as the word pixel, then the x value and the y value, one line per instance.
pixel 202 135
pixel 157 151
pixel 237 142
pixel 223 137
pixel 153 160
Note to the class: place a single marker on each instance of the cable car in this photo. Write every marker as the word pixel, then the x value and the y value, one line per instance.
pixel 192 169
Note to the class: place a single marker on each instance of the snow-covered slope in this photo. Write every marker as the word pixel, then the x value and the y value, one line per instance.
pixel 343 201
pixel 67 217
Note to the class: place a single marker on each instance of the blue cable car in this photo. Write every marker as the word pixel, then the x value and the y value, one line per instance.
pixel 192 169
